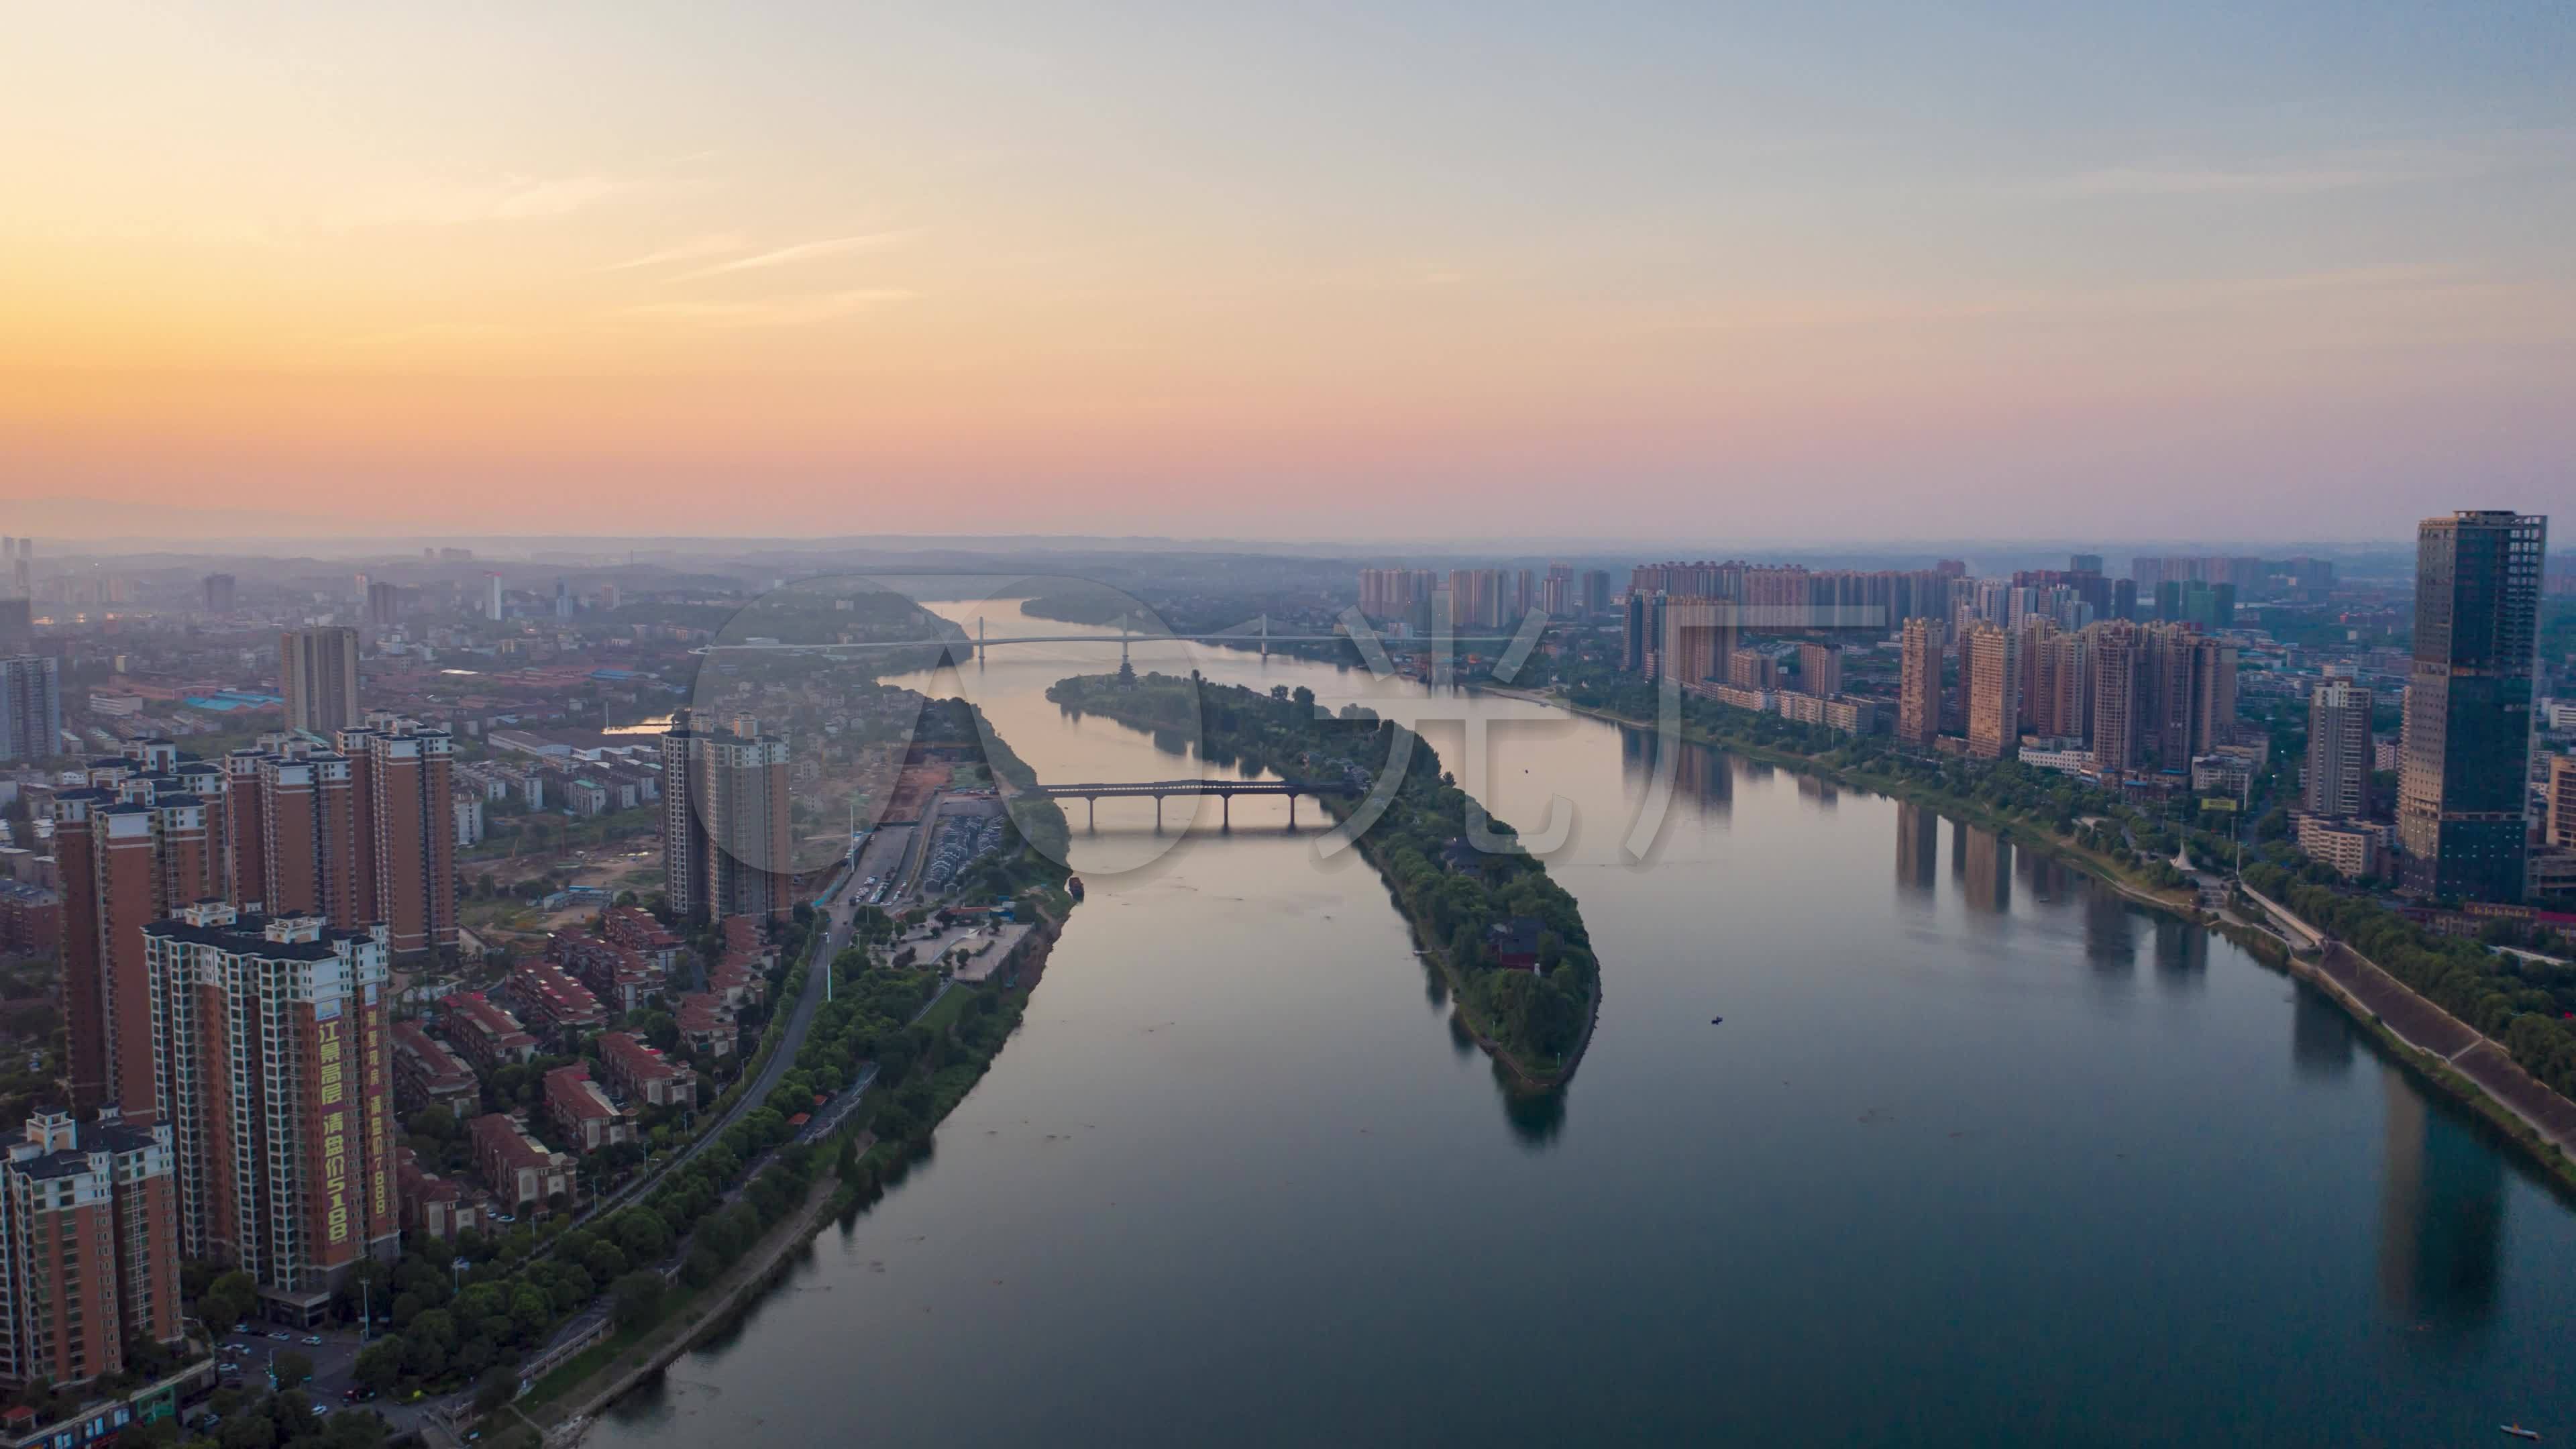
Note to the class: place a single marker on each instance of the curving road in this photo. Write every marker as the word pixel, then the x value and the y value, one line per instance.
pixel 790 1034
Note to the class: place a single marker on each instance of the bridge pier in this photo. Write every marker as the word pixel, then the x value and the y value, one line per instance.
pixel 1292 813
pixel 1225 810
pixel 1158 814
pixel 1091 805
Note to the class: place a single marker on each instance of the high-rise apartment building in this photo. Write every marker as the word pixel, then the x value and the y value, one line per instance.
pixel 2060 687
pixel 2162 694
pixel 271 1045
pixel 1918 690
pixel 1477 598
pixel 2562 801
pixel 17 626
pixel 317 671
pixel 89 1252
pixel 1596 591
pixel 2462 806
pixel 2339 751
pixel 1820 670
pixel 724 820
pixel 219 593
pixel 384 605
pixel 357 831
pixel 140 842
pixel 1697 638
pixel 1992 695
pixel 2121 710
pixel 31 708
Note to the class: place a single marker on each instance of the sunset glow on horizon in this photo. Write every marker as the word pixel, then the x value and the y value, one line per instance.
pixel 1187 271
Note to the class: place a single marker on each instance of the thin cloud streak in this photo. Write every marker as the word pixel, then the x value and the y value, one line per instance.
pixel 712 244
pixel 799 252
pixel 775 312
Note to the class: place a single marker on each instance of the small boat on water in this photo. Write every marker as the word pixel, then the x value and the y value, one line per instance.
pixel 2519 1432
pixel 1714 1020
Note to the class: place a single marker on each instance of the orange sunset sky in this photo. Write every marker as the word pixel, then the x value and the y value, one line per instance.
pixel 1394 270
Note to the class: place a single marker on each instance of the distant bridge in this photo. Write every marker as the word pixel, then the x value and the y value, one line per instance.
pixel 1224 790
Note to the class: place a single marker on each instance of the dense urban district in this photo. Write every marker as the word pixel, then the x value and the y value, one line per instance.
pixel 440 983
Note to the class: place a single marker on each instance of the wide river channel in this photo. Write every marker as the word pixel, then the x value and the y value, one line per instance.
pixel 1980 1154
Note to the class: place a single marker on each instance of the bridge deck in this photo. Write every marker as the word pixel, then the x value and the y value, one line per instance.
pixel 1107 789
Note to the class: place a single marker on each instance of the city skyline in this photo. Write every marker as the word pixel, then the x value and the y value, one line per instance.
pixel 1042 272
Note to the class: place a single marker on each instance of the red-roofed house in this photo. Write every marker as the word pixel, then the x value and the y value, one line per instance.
pixel 707 1024
pixel 644 1074
pixel 520 1169
pixel 428 1202
pixel 582 1112
pixel 429 1073
pixel 637 931
pixel 550 1001
pixel 736 980
pixel 617 975
pixel 484 1034
pixel 744 937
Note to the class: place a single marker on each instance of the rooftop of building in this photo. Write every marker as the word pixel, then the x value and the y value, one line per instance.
pixel 636 1058
pixel 250 935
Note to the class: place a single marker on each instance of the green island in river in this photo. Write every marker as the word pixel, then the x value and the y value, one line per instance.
pixel 1509 940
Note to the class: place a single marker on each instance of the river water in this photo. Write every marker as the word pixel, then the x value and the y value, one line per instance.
pixel 1980 1155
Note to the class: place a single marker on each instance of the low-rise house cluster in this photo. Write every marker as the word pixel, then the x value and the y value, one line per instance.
pixel 484 1034
pixel 643 1074
pixel 554 1004
pixel 618 975
pixel 637 931
pixel 430 1203
pixel 582 1114
pixel 707 1024
pixel 429 1073
pixel 520 1169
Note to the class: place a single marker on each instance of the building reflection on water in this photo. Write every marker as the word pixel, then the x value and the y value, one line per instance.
pixel 1702 775
pixel 2320 1035
pixel 1985 868
pixel 2182 954
pixel 2441 1217
pixel 1918 848
pixel 2110 934
pixel 2045 876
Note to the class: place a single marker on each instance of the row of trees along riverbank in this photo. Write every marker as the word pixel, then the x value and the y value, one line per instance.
pixel 1535 1021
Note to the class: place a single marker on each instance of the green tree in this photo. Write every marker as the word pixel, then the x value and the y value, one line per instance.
pixel 637 1298
pixel 379 1365
pixel 497 1387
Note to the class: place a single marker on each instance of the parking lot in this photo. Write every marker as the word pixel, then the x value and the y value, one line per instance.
pixel 249 1359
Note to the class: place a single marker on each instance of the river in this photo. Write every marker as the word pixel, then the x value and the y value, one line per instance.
pixel 1980 1155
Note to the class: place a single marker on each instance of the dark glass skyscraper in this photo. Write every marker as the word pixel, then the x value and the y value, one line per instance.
pixel 2461 789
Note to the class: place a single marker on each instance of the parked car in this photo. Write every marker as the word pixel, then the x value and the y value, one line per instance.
pixel 312 1340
